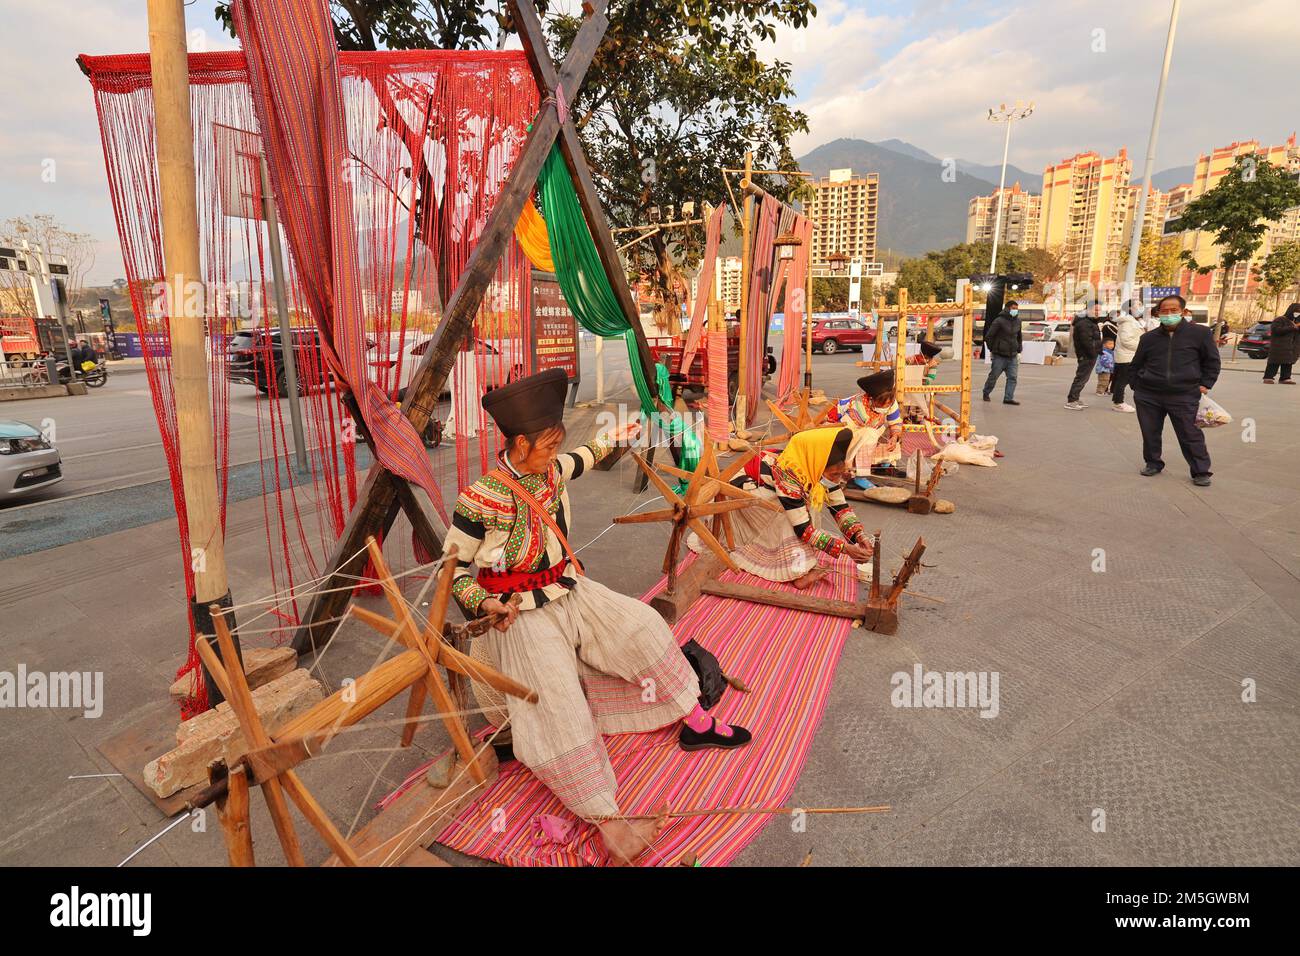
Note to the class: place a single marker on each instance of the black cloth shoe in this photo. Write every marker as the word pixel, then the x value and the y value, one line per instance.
pixel 985 397
pixel 1201 481
pixel 1009 401
pixel 710 739
pixel 1150 470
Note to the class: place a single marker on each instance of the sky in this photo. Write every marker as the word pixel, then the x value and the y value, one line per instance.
pixel 924 71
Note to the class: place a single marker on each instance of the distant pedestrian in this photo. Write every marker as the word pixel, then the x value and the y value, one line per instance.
pixel 1087 346
pixel 1004 340
pixel 1283 345
pixel 1173 367
pixel 1128 330
pixel 1105 365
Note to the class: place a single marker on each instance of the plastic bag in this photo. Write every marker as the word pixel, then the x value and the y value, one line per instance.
pixel 964 454
pixel 1210 414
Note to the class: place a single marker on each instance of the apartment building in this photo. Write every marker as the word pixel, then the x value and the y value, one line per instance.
pixel 1084 212
pixel 844 209
pixel 1021 212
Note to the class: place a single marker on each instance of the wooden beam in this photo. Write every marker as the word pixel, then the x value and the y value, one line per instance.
pixel 376 505
pixel 232 811
pixel 241 702
pixel 785 599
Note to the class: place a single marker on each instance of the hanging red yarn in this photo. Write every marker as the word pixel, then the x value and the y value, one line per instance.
pixel 430 137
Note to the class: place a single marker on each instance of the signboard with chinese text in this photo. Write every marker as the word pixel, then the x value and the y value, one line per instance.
pixel 554 329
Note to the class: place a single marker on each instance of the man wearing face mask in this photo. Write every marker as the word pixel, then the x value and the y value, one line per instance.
pixel 1003 338
pixel 1174 365
pixel 1087 346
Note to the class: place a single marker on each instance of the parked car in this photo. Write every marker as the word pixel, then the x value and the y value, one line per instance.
pixel 1057 331
pixel 1255 341
pixel 831 335
pixel 28 462
pixel 255 357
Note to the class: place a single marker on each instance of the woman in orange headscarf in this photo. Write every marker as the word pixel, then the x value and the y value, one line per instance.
pixel 805 477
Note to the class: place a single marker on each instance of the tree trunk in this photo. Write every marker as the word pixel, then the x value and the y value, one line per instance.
pixel 666 278
pixel 1223 290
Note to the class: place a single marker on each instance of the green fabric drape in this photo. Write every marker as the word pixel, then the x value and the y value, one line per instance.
pixel 582 279
pixel 588 293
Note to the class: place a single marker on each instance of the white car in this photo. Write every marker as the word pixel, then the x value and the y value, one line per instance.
pixel 28 462
pixel 1041 331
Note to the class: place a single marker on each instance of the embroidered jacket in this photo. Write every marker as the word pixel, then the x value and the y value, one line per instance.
pixel 919 359
pixel 791 496
pixel 854 412
pixel 491 529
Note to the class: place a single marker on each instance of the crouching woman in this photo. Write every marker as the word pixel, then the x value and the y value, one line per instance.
pixel 804 478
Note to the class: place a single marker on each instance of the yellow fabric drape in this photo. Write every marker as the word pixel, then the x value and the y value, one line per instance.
pixel 804 459
pixel 530 230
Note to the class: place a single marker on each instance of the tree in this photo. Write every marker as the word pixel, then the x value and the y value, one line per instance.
pixel 1252 194
pixel 675 92
pixel 1158 259
pixel 830 294
pixel 1279 273
pixel 42 229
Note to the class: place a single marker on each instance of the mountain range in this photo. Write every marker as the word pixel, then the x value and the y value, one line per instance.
pixel 920 209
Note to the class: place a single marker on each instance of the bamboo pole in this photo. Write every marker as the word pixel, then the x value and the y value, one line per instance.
pixel 169 67
pixel 900 349
pixel 967 337
pixel 746 263
pixel 808 313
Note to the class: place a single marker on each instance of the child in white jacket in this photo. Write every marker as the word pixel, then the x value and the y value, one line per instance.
pixel 1128 329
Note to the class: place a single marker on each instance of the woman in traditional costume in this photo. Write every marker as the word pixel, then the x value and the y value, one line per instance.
pixel 600 662
pixel 871 414
pixel 929 357
pixel 803 478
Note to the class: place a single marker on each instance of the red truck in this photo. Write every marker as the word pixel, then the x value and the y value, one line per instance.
pixel 668 351
pixel 19 339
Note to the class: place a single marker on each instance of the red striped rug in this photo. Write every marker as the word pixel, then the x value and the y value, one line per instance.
pixel 786 658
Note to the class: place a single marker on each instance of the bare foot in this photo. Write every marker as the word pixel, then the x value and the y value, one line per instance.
pixel 805 581
pixel 625 840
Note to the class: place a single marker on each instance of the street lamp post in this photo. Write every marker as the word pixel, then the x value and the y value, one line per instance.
pixel 1008 116
pixel 1135 240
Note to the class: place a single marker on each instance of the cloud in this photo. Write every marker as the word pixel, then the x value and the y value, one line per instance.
pixel 49 116
pixel 1090 67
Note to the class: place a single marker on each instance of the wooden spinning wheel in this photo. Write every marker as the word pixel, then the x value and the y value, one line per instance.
pixel 708 494
pixel 270 760
pixel 803 419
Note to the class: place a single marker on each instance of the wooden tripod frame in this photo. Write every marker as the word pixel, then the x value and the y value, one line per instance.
pixel 270 760
pixel 708 494
pixel 383 493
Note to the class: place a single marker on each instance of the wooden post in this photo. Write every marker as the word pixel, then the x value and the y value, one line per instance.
pixel 967 337
pixel 174 148
pixel 746 263
pixel 900 348
pixel 808 315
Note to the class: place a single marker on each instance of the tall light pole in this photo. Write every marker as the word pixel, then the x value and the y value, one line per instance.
pixel 1009 116
pixel 1135 241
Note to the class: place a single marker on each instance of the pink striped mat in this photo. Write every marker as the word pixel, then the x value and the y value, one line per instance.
pixel 786 658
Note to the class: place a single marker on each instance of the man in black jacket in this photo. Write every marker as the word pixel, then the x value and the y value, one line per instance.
pixel 1087 346
pixel 1003 338
pixel 1175 364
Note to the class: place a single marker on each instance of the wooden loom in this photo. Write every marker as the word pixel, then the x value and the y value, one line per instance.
pixel 962 351
pixel 399 832
pixel 710 493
